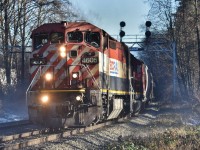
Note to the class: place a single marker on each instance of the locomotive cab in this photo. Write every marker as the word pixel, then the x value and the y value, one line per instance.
pixel 64 67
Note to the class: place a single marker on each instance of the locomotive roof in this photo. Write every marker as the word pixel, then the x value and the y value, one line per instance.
pixel 70 26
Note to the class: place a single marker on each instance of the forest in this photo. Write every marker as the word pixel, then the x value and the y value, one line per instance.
pixel 174 23
pixel 173 51
pixel 17 20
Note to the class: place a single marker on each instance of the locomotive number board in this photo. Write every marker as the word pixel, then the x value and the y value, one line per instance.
pixel 89 60
pixel 37 61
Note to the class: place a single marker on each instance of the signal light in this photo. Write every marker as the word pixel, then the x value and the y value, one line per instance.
pixel 147 34
pixel 122 24
pixel 148 24
pixel 121 33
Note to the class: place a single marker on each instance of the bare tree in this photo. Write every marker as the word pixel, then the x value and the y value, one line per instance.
pixel 17 20
pixel 182 26
pixel 159 54
pixel 187 32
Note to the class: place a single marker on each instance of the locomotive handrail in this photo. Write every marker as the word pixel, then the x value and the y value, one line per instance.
pixel 88 70
pixel 31 84
pixel 34 79
pixel 93 78
pixel 132 90
pixel 37 75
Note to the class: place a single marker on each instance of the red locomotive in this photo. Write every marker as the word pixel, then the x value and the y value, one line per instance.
pixel 80 75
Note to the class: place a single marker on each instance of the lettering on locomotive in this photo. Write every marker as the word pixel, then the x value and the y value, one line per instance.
pixel 89 60
pixel 38 61
pixel 113 67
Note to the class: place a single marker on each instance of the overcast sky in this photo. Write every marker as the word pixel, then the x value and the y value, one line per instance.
pixel 107 14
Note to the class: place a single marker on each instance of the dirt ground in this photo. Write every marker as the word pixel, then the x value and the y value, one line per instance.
pixel 169 126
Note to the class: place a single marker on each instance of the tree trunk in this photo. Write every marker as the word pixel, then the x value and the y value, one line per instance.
pixel 6 51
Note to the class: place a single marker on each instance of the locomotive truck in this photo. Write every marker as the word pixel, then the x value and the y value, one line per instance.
pixel 81 75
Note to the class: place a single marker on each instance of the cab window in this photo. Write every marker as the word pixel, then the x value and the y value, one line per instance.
pixel 75 37
pixel 112 44
pixel 40 40
pixel 57 37
pixel 93 38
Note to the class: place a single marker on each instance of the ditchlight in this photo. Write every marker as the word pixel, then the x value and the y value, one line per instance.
pixel 78 98
pixel 75 75
pixel 48 76
pixel 44 99
pixel 62 50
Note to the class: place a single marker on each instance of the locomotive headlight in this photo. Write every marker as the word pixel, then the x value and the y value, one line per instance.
pixel 48 76
pixel 78 98
pixel 44 99
pixel 75 75
pixel 62 51
pixel 63 54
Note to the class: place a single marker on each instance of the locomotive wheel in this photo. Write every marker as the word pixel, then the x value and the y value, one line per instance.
pixel 137 106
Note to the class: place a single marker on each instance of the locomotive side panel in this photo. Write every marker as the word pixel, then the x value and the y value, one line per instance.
pixel 118 69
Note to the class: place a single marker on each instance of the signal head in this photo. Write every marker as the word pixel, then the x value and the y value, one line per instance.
pixel 147 34
pixel 148 23
pixel 122 24
pixel 121 33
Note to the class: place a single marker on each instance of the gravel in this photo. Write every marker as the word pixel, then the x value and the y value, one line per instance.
pixel 151 122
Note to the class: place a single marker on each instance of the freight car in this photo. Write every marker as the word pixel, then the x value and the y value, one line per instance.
pixel 81 75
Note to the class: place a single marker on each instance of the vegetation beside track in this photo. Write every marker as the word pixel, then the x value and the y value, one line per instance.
pixel 176 127
pixel 186 137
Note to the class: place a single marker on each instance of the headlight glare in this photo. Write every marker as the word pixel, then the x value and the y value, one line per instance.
pixel 48 76
pixel 44 99
pixel 75 75
pixel 63 54
pixel 78 98
pixel 62 49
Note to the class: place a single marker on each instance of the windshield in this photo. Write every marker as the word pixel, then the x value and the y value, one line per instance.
pixel 57 37
pixel 40 40
pixel 75 36
pixel 93 38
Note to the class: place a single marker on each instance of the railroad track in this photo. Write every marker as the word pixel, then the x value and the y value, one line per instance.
pixel 21 134
pixel 38 135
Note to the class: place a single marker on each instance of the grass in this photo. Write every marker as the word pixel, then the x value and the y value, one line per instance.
pixel 187 137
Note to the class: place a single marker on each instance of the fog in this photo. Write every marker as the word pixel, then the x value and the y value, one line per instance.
pixel 12 109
